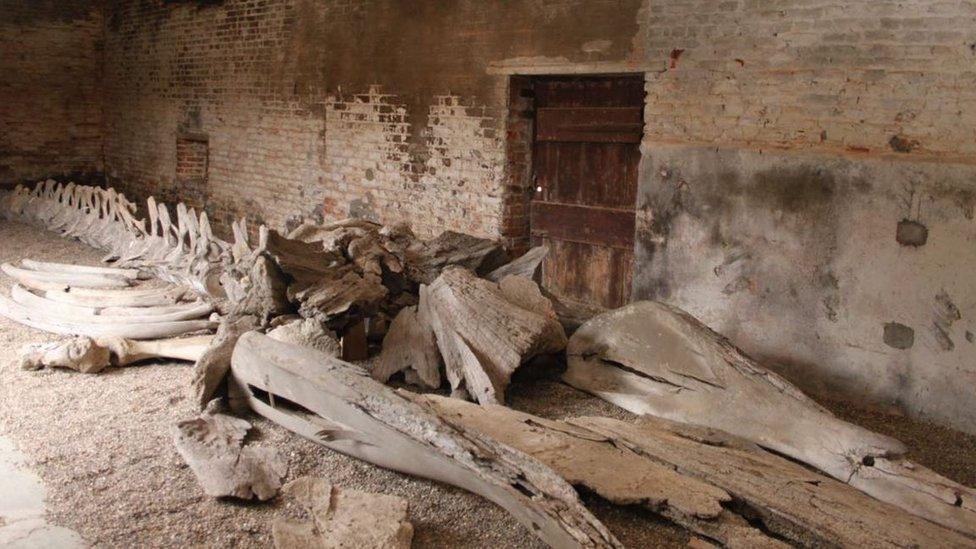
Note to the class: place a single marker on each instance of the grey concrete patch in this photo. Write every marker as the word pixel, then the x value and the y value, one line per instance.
pixel 22 523
pixel 792 256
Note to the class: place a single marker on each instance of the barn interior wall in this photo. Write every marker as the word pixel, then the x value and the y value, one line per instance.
pixel 807 184
pixel 50 96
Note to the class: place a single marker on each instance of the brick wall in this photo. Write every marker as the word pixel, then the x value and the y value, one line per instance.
pixel 324 109
pixel 855 77
pixel 50 101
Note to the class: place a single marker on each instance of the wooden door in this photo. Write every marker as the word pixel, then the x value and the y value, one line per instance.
pixel 585 155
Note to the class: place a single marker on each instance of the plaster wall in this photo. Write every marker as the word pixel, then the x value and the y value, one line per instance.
pixel 846 273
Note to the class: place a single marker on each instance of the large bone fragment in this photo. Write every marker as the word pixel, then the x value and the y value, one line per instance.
pixel 410 344
pixel 341 291
pixel 617 474
pixel 308 332
pixel 524 266
pixel 349 412
pixel 342 518
pixel 483 337
pixel 81 280
pixel 653 359
pixel 426 260
pixel 214 364
pixel 90 356
pixel 705 480
pixel 789 499
pixel 46 322
pixel 81 354
pixel 212 445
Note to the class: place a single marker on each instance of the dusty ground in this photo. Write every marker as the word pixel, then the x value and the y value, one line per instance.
pixel 102 445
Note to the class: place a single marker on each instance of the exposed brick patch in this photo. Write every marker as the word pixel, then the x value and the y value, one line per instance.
pixel 50 100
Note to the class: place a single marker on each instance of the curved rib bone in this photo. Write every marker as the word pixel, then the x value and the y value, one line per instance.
pixel 82 314
pixel 67 268
pixel 18 313
pixel 81 280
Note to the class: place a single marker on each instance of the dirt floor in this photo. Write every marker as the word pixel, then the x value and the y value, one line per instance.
pixel 103 446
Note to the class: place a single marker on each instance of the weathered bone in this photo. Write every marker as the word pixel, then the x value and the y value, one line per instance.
pixel 90 356
pixel 483 337
pixel 214 364
pixel 526 265
pixel 654 359
pixel 212 445
pixel 18 313
pixel 128 351
pixel 701 479
pixel 111 298
pixel 308 332
pixel 351 413
pixel 410 344
pixel 342 518
pixel 81 280
pixel 82 354
pixel 81 313
pixel 66 268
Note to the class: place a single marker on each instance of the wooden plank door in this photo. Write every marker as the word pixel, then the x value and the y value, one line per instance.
pixel 585 155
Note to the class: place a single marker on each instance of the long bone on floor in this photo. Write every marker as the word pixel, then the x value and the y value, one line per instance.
pixel 654 359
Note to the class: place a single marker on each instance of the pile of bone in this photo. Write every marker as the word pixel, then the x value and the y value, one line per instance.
pixel 347 271
pixel 345 287
pixel 98 302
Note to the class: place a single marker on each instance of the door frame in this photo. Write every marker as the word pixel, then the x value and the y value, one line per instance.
pixel 520 128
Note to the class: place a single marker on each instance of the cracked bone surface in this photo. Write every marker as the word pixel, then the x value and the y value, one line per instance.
pixel 212 444
pixel 339 517
pixel 82 354
pixel 705 480
pixel 654 359
pixel 485 333
pixel 344 409
pixel 90 356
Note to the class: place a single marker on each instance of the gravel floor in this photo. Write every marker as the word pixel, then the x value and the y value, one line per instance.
pixel 102 445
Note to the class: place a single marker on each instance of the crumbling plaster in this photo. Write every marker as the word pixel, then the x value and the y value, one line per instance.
pixel 796 258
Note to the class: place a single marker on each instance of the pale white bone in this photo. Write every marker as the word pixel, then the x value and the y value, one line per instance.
pixel 213 446
pixel 80 313
pixel 68 268
pixel 79 280
pixel 128 351
pixel 112 298
pixel 18 313
pixel 90 356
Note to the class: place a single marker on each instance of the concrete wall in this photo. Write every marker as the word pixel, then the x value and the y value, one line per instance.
pixel 50 102
pixel 808 175
pixel 849 273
